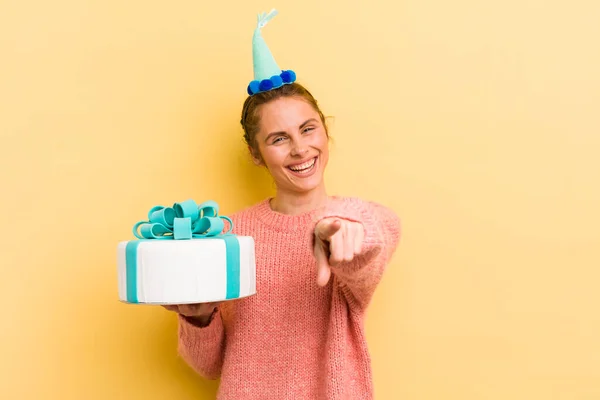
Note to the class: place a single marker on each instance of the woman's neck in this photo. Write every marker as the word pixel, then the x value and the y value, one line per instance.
pixel 293 203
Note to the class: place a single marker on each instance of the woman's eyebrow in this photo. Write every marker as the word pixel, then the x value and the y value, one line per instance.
pixel 307 121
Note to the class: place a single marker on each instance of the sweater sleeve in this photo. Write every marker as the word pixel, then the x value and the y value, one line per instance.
pixel 359 277
pixel 202 347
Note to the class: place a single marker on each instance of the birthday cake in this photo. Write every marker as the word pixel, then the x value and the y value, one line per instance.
pixel 184 254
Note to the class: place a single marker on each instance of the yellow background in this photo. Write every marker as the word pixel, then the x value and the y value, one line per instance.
pixel 477 121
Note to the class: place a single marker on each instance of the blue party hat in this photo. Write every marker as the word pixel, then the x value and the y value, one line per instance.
pixel 267 74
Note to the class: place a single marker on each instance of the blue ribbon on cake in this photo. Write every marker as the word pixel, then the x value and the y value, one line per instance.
pixel 184 221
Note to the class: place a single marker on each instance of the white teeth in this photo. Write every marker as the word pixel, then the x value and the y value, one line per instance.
pixel 303 166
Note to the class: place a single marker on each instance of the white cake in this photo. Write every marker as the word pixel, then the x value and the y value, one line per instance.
pixel 186 271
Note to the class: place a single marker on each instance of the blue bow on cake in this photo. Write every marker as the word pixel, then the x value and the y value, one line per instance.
pixel 184 220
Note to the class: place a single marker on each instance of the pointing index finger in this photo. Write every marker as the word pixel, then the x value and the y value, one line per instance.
pixel 327 228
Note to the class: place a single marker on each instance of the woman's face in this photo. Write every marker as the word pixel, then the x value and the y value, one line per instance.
pixel 293 144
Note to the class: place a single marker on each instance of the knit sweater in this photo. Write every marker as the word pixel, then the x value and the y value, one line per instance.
pixel 295 339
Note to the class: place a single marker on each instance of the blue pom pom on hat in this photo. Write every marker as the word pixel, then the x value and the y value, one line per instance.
pixel 267 74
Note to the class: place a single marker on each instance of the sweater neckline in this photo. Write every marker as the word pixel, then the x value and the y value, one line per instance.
pixel 285 222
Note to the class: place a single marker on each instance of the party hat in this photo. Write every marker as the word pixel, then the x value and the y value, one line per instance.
pixel 267 74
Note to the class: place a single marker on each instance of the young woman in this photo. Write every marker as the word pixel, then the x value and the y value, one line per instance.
pixel 319 259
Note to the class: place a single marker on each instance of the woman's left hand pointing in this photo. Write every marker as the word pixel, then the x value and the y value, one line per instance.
pixel 337 240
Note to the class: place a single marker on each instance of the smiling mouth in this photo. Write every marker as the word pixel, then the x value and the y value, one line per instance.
pixel 305 167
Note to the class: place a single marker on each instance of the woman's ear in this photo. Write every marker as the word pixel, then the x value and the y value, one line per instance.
pixel 256 158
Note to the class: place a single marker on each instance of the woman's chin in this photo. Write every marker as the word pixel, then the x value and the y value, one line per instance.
pixel 301 186
pixel 308 185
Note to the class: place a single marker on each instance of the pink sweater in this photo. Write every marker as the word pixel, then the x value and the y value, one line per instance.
pixel 294 339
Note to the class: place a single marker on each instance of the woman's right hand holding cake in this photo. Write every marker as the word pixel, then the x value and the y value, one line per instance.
pixel 197 314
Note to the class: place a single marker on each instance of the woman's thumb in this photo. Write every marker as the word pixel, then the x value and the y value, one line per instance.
pixel 323 268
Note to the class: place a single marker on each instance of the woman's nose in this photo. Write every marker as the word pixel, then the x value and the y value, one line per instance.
pixel 299 149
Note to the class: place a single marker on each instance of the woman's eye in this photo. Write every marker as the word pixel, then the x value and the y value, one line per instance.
pixel 308 129
pixel 277 139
